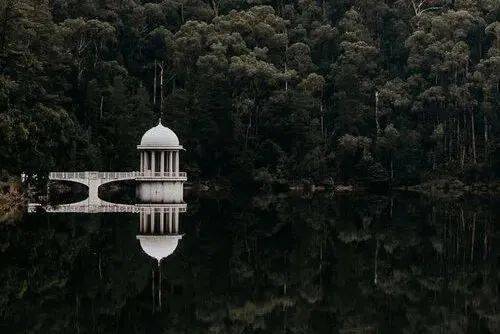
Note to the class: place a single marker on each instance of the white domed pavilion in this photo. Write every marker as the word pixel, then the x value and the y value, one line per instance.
pixel 159 177
pixel 159 246
pixel 159 233
pixel 159 237
pixel 160 136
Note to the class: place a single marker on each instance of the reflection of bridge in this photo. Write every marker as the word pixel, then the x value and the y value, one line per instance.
pixel 93 180
pixel 159 228
pixel 105 207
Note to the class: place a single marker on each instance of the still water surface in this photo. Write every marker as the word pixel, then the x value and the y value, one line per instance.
pixel 259 264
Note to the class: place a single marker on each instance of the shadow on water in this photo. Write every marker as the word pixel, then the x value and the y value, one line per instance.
pixel 118 192
pixel 62 192
pixel 258 264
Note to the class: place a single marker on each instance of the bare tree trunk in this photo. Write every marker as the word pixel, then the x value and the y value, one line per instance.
pixel 391 207
pixel 182 13
pixel 445 138
pixel 100 267
pixel 249 126
pixel 464 140
pixel 153 288
pixel 154 87
pixel 458 138
pixel 462 160
pixel 485 240
pixel 161 88
pixel 101 105
pixel 485 137
pixel 96 55
pixel 376 113
pixel 375 269
pixel 215 8
pixel 450 140
pixel 392 168
pixel 322 119
pixel 5 23
pixel 473 237
pixel 473 137
pixel 286 65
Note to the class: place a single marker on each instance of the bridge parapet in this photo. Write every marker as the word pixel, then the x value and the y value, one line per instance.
pixel 104 176
pixel 107 207
pixel 67 175
pixel 161 176
pixel 93 180
pixel 110 176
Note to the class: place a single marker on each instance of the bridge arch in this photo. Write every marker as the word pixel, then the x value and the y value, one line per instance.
pixel 93 180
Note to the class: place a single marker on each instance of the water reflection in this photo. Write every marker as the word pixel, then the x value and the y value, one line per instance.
pixel 158 223
pixel 158 230
pixel 159 237
pixel 263 264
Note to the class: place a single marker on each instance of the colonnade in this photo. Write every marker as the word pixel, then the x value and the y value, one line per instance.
pixel 159 221
pixel 163 162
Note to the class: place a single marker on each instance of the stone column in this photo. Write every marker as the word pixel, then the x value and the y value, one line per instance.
pixel 170 227
pixel 161 217
pixel 152 221
pixel 177 163
pixel 142 161
pixel 176 220
pixel 170 161
pixel 162 162
pixel 166 161
pixel 153 162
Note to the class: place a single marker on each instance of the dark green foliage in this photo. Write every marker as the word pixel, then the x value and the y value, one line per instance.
pixel 263 264
pixel 286 90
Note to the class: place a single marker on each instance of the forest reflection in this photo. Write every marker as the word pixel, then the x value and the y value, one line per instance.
pixel 261 264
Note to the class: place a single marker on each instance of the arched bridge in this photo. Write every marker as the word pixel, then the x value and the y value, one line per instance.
pixel 105 207
pixel 93 180
pixel 102 177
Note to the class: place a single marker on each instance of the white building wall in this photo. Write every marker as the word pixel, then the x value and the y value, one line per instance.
pixel 160 191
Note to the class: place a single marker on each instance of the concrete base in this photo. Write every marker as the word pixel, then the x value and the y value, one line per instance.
pixel 160 191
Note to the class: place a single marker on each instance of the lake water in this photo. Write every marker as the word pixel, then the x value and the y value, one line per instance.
pixel 259 264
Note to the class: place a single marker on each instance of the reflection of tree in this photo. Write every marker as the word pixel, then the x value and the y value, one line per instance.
pixel 267 264
pixel 68 279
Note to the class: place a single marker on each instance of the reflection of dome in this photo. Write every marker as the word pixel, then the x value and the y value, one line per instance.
pixel 160 136
pixel 159 246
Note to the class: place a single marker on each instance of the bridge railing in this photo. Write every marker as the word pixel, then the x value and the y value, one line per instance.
pixel 93 208
pixel 113 175
pixel 111 207
pixel 92 175
pixel 163 174
pixel 117 175
pixel 68 175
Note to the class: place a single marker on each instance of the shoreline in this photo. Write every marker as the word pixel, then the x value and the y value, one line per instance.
pixel 13 197
pixel 454 188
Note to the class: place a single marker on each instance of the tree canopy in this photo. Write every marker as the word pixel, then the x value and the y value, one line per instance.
pixel 348 90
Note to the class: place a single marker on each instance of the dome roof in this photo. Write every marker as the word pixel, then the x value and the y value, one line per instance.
pixel 159 246
pixel 159 136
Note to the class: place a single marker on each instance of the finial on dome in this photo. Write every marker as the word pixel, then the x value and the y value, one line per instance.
pixel 159 121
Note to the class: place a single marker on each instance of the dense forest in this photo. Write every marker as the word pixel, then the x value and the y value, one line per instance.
pixel 348 90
